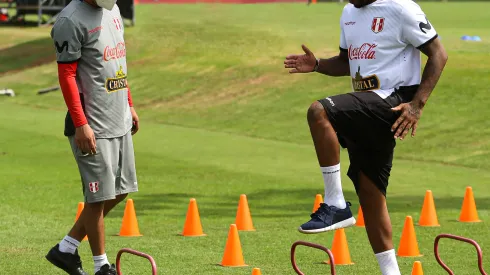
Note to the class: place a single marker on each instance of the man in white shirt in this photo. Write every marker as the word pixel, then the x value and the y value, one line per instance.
pixel 380 45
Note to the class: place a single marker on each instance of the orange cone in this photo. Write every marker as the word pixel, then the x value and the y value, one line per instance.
pixel 408 243
pixel 428 217
pixel 256 271
pixel 79 211
pixel 233 250
pixel 340 249
pixel 192 226
pixel 129 227
pixel 318 200
pixel 468 210
pixel 417 268
pixel 360 218
pixel 243 219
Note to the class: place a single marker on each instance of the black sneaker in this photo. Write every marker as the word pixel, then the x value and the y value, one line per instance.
pixel 328 218
pixel 70 263
pixel 107 270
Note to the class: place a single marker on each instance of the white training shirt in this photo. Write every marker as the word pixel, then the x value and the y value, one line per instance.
pixel 382 40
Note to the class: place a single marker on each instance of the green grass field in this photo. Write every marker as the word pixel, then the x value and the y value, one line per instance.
pixel 221 117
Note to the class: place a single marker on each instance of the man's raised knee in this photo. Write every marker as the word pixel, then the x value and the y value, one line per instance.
pixel 316 113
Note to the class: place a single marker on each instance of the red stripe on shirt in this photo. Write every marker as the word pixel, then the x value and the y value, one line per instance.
pixel 69 88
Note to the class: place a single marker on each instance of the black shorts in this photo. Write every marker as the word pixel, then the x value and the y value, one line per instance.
pixel 363 122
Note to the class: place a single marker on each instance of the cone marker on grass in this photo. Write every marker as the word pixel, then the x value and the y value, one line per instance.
pixel 340 249
pixel 316 204
pixel 233 255
pixel 428 216
pixel 81 205
pixel 417 268
pixel 129 227
pixel 243 218
pixel 408 243
pixel 192 226
pixel 468 209
pixel 360 218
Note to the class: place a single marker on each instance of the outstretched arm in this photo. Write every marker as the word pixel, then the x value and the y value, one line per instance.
pixel 335 66
pixel 307 63
pixel 411 111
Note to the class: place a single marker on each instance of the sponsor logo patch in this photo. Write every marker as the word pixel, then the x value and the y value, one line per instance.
pixel 119 51
pixel 360 83
pixel 365 51
pixel 117 83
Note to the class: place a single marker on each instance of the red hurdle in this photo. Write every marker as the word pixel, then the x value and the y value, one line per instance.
pixel 137 253
pixel 462 239
pixel 313 245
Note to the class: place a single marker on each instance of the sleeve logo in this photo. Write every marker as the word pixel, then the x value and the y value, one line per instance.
pixel 63 46
pixel 426 26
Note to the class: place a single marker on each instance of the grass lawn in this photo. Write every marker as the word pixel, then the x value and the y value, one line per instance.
pixel 220 117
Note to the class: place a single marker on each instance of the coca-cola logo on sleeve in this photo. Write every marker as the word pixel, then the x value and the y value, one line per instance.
pixel 116 52
pixel 365 51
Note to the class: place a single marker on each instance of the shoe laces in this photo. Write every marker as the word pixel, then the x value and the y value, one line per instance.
pixel 112 270
pixel 322 211
pixel 78 260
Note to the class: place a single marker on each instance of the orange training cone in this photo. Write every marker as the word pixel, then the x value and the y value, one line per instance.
pixel 79 211
pixel 192 226
pixel 233 250
pixel 417 268
pixel 360 218
pixel 243 219
pixel 129 227
pixel 340 249
pixel 428 217
pixel 408 243
pixel 468 210
pixel 256 271
pixel 318 200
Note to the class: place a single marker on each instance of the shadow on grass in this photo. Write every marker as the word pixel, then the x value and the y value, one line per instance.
pixel 274 203
pixel 26 55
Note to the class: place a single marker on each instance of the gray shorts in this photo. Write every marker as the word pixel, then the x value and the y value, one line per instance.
pixel 110 172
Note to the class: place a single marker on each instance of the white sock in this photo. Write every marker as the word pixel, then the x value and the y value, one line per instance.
pixel 99 261
pixel 68 245
pixel 387 262
pixel 333 187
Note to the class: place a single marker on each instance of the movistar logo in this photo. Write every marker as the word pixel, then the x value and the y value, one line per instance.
pixel 62 47
pixel 426 26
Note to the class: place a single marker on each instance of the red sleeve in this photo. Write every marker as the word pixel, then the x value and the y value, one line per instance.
pixel 68 84
pixel 130 99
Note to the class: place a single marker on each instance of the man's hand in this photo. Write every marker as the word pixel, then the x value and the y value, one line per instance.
pixel 136 125
pixel 85 139
pixel 411 111
pixel 409 118
pixel 301 63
